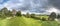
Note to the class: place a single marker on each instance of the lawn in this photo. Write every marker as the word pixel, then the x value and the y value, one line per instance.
pixel 23 21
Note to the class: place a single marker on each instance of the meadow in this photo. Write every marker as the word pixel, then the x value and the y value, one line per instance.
pixel 24 21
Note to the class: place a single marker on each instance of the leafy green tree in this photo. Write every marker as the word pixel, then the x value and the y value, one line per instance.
pixel 9 13
pixel 27 15
pixel 52 16
pixel 4 11
pixel 19 13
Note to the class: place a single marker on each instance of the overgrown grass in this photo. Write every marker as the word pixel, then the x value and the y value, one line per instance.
pixel 23 21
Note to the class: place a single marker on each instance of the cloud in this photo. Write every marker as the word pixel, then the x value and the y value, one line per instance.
pixel 36 6
pixel 1 1
pixel 55 3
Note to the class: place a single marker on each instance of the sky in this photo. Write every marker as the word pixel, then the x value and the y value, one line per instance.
pixel 32 6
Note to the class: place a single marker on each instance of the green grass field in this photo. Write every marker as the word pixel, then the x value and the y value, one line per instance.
pixel 23 21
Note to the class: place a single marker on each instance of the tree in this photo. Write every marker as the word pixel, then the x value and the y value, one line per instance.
pixel 18 13
pixel 58 16
pixel 4 11
pixel 14 12
pixel 9 13
pixel 27 15
pixel 52 16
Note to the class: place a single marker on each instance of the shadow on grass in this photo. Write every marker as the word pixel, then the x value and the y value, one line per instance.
pixel 36 18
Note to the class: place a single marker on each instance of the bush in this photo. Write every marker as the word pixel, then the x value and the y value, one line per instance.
pixel 24 15
pixel 43 19
pixel 32 15
pixel 2 16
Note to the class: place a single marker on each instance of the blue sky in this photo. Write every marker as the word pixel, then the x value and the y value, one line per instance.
pixel 32 6
pixel 3 1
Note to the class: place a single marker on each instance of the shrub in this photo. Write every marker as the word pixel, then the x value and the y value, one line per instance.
pixel 43 19
pixel 2 16
pixel 32 15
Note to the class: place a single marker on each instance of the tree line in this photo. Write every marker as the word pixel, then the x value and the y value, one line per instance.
pixel 4 12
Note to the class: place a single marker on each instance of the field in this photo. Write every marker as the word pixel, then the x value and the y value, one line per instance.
pixel 23 21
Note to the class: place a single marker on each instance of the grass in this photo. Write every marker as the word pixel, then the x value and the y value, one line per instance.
pixel 23 21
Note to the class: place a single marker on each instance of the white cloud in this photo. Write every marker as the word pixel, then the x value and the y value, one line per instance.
pixel 11 3
pixel 53 9
pixel 1 1
pixel 29 4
